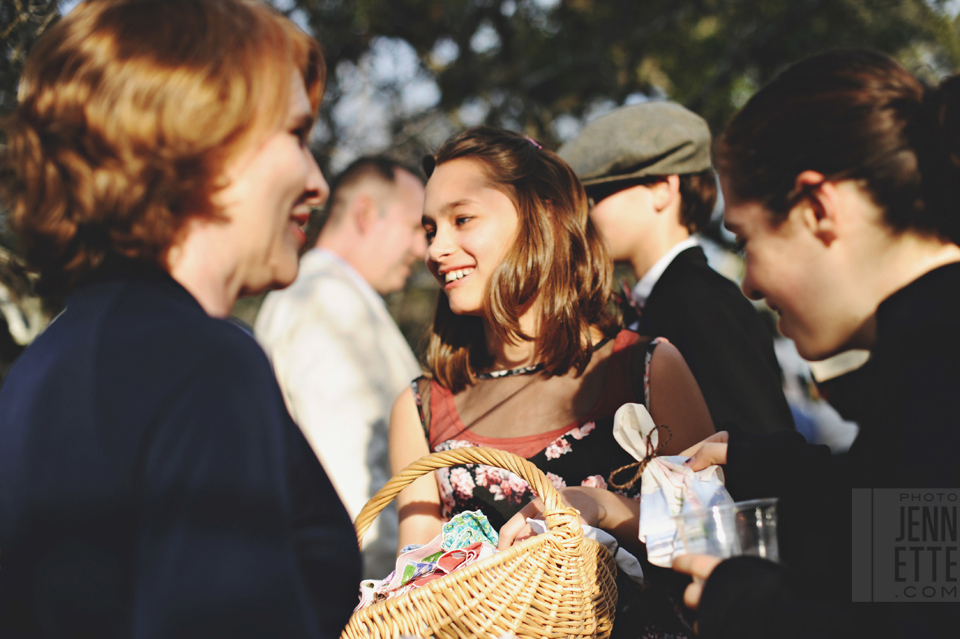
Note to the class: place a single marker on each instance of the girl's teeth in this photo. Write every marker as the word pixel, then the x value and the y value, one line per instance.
pixel 453 276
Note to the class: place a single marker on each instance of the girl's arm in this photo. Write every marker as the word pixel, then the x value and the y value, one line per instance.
pixel 418 505
pixel 676 401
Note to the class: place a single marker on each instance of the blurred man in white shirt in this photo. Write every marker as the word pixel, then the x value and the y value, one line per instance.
pixel 339 356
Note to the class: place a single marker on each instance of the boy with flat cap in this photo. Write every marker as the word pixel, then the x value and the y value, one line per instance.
pixel 647 169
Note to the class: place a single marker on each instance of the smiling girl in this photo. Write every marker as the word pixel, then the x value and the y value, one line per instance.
pixel 525 355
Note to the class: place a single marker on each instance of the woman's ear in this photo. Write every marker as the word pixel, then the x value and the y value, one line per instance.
pixel 817 203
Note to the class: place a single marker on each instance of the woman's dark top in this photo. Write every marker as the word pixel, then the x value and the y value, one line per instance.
pixel 909 437
pixel 152 483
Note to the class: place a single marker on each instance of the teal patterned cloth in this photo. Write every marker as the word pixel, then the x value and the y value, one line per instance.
pixel 466 528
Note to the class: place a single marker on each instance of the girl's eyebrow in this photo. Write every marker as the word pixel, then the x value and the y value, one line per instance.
pixel 453 205
pixel 447 208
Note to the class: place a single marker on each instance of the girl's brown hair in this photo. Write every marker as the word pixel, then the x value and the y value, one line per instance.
pixel 851 114
pixel 129 111
pixel 557 259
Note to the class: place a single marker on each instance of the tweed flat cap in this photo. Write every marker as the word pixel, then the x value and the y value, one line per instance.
pixel 650 138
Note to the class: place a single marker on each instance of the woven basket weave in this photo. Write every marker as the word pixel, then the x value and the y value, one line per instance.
pixel 557 584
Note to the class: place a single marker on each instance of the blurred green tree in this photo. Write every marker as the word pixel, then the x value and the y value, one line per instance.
pixel 21 22
pixel 22 315
pixel 535 64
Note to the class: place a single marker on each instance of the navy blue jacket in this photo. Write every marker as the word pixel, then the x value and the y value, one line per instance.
pixel 152 483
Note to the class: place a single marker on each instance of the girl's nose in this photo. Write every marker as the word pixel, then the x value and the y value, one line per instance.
pixel 440 245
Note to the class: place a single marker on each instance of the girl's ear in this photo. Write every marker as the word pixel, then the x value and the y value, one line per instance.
pixel 817 203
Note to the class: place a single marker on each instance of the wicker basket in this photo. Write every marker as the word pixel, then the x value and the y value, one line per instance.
pixel 557 584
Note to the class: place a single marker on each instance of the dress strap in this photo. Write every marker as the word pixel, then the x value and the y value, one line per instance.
pixel 421 395
pixel 640 368
pixel 646 368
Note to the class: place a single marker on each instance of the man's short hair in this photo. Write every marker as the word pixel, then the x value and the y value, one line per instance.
pixel 363 168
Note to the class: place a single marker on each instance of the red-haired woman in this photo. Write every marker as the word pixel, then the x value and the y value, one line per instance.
pixel 841 180
pixel 524 355
pixel 152 483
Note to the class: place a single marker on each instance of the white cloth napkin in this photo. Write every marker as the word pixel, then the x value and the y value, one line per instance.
pixel 667 486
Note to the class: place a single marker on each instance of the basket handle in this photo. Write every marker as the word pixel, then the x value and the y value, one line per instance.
pixel 555 512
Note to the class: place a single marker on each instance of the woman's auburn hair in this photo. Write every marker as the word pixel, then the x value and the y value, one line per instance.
pixel 850 114
pixel 129 111
pixel 558 260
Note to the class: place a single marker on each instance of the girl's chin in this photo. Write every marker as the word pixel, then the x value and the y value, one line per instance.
pixel 467 311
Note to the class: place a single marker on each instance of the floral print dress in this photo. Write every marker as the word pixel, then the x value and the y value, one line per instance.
pixel 584 453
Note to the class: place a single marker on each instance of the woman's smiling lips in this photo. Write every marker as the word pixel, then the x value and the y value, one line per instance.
pixel 298 222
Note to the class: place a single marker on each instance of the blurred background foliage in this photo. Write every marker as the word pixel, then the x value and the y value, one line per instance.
pixel 541 65
pixel 404 74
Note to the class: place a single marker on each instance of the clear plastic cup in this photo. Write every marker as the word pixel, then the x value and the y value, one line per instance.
pixel 743 528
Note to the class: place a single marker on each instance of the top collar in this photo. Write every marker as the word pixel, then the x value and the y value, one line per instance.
pixel 116 268
pixel 931 297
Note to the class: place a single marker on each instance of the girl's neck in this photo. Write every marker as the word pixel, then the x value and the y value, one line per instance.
pixel 506 355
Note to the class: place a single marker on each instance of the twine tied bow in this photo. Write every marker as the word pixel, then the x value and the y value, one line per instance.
pixel 640 466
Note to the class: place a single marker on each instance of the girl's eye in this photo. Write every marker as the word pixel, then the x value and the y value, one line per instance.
pixel 430 233
pixel 740 248
pixel 463 219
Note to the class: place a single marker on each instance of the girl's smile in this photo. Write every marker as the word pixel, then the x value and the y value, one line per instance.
pixel 470 225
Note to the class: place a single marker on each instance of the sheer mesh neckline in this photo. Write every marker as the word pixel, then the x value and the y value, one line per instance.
pixel 448 424
pixel 533 368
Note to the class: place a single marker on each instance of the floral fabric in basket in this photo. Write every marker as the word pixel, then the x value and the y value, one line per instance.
pixel 466 539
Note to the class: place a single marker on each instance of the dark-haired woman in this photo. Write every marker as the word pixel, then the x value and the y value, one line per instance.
pixel 152 483
pixel 524 355
pixel 841 179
